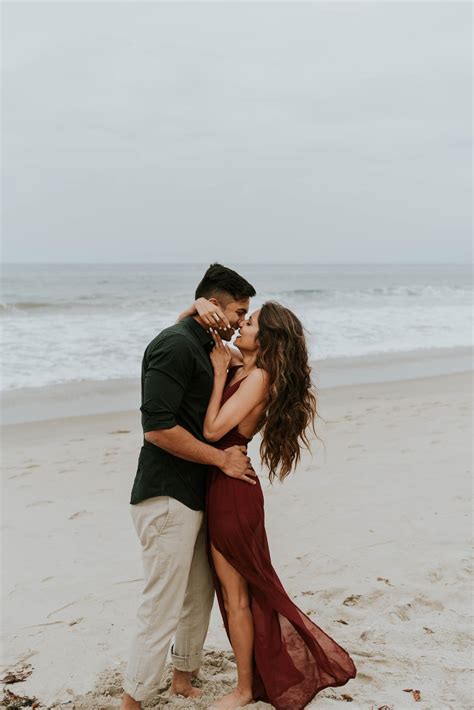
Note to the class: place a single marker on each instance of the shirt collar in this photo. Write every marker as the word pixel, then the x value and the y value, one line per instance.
pixel 203 335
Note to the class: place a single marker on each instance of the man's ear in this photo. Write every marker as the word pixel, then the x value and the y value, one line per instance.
pixel 214 301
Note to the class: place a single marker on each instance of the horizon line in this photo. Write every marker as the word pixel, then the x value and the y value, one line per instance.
pixel 243 263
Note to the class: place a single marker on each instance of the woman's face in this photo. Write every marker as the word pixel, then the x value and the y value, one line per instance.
pixel 248 336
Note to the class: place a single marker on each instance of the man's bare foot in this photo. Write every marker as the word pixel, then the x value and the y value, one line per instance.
pixel 128 703
pixel 236 699
pixel 187 691
pixel 181 684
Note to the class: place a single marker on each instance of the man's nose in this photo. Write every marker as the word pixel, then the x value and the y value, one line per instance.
pixel 241 321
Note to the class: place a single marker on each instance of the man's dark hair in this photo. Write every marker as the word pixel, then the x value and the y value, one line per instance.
pixel 219 279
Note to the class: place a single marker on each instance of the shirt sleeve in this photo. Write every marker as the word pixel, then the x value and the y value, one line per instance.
pixel 168 372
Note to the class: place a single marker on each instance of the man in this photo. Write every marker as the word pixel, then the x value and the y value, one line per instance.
pixel 168 495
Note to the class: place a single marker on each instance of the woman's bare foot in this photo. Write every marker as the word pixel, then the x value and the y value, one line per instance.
pixel 128 703
pixel 236 699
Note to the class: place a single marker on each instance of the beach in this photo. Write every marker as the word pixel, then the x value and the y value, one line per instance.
pixel 371 538
pixel 307 155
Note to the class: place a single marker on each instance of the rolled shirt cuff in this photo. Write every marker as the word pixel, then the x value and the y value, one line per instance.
pixel 155 423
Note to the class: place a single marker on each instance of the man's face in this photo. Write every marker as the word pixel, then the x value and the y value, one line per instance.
pixel 235 312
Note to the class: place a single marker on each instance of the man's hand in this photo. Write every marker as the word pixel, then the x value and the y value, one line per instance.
pixel 237 465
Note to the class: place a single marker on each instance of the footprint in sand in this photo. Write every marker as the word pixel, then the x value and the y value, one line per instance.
pixel 352 599
pixel 20 475
pixel 129 581
pixel 364 677
pixel 76 621
pixel 466 566
pixel 414 608
pixel 302 557
pixel 79 514
pixel 367 635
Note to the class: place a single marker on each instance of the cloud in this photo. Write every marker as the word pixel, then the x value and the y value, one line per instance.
pixel 160 132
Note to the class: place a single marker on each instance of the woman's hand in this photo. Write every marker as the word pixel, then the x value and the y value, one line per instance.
pixel 220 355
pixel 211 314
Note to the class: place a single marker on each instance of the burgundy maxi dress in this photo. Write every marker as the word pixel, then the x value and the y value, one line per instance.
pixel 293 658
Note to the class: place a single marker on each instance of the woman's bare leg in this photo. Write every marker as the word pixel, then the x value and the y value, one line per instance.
pixel 239 616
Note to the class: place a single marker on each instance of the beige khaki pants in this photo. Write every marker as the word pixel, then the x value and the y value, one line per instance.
pixel 177 595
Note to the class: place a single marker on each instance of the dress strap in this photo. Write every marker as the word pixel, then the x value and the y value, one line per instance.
pixel 231 372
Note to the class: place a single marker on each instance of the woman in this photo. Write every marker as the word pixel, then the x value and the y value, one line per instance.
pixel 282 657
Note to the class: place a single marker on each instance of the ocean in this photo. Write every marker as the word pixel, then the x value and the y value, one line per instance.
pixel 74 322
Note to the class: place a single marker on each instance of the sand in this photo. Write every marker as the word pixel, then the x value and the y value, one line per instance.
pixel 371 538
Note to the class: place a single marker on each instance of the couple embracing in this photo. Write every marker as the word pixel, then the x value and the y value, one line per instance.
pixel 198 509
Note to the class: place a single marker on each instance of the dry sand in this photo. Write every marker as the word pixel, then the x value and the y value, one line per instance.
pixel 371 538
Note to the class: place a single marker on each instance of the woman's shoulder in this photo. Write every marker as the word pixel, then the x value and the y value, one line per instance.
pixel 258 376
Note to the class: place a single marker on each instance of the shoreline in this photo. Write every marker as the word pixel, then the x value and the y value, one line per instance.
pixel 89 397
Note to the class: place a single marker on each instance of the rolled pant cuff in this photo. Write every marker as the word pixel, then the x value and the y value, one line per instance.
pixel 138 691
pixel 186 663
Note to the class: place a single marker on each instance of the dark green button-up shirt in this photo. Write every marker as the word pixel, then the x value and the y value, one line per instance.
pixel 177 380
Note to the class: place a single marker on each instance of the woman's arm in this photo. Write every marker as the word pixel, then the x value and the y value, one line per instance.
pixel 252 392
pixel 219 420
pixel 235 356
pixel 209 312
pixel 214 405
pixel 191 311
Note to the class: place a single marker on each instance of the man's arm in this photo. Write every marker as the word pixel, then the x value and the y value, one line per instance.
pixel 180 442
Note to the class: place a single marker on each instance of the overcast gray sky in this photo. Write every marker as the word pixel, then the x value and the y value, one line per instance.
pixel 318 132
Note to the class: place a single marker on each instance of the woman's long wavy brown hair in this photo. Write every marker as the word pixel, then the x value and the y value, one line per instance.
pixel 291 406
